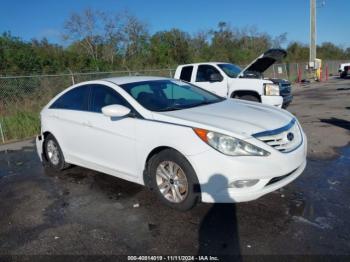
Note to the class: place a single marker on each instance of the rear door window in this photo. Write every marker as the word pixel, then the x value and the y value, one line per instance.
pixel 186 73
pixel 75 99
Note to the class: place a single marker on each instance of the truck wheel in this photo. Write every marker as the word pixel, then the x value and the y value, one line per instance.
pixel 249 98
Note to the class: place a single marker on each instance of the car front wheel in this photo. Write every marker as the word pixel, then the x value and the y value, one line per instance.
pixel 53 154
pixel 174 180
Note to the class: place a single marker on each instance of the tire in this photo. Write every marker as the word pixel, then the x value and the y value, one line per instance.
pixel 53 155
pixel 159 168
pixel 343 75
pixel 249 98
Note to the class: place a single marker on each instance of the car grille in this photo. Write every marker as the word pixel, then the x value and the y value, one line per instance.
pixel 284 139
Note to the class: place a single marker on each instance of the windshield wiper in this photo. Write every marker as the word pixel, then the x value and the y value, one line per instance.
pixel 176 107
pixel 206 102
pixel 169 108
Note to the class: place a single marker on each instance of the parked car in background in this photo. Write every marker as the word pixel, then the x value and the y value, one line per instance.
pixel 229 80
pixel 343 70
pixel 183 142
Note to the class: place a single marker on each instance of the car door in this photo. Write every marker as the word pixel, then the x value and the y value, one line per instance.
pixel 111 140
pixel 203 79
pixel 67 121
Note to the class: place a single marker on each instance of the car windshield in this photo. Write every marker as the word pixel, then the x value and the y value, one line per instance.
pixel 230 70
pixel 169 95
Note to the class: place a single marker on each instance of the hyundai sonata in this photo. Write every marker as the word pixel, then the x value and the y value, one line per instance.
pixel 184 143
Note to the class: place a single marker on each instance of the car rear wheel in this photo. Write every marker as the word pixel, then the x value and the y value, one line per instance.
pixel 53 154
pixel 173 180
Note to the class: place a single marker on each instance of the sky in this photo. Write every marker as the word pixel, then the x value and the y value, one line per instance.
pixel 39 18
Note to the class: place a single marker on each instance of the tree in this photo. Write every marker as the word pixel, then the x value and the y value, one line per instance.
pixel 279 40
pixel 169 48
pixel 135 40
pixel 297 52
pixel 329 51
pixel 200 46
pixel 108 41
pixel 113 36
pixel 85 29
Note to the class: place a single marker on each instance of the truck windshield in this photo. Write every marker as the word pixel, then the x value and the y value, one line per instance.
pixel 230 70
pixel 169 95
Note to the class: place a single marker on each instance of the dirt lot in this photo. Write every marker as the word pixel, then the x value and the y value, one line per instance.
pixel 83 212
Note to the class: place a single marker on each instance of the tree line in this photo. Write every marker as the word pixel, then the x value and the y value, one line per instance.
pixel 97 41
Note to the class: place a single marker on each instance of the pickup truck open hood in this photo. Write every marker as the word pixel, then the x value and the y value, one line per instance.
pixel 264 61
pixel 234 116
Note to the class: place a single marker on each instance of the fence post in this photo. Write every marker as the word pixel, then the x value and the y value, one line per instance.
pixel 72 76
pixel 2 133
pixel 327 73
pixel 286 71
pixel 170 73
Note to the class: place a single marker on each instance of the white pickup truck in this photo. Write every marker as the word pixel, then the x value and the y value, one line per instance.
pixel 344 70
pixel 228 80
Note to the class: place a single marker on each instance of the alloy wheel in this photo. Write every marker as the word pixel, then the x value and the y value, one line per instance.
pixel 172 181
pixel 53 153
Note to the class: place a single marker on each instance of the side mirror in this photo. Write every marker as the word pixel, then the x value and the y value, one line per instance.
pixel 115 111
pixel 215 77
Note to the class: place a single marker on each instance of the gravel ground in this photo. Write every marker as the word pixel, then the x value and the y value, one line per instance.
pixel 82 212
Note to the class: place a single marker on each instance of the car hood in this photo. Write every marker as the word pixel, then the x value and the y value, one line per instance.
pixel 231 116
pixel 264 61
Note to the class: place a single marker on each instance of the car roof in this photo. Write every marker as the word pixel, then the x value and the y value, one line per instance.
pixel 132 79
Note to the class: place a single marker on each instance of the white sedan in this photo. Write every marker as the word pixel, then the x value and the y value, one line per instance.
pixel 182 142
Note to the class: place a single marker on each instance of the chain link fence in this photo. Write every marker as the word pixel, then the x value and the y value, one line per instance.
pixel 295 72
pixel 22 97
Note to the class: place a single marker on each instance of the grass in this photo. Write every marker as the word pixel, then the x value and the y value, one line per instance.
pixel 21 103
pixel 21 124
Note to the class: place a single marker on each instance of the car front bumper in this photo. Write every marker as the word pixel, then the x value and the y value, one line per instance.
pixel 39 146
pixel 272 100
pixel 287 100
pixel 217 172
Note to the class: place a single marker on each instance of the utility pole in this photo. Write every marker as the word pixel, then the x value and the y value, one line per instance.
pixel 312 33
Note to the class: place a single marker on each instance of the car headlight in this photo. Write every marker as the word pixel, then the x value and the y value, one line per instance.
pixel 229 145
pixel 272 90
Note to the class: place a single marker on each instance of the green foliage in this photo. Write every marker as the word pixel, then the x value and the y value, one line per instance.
pixel 20 125
pixel 169 48
pixel 125 44
pixel 298 52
